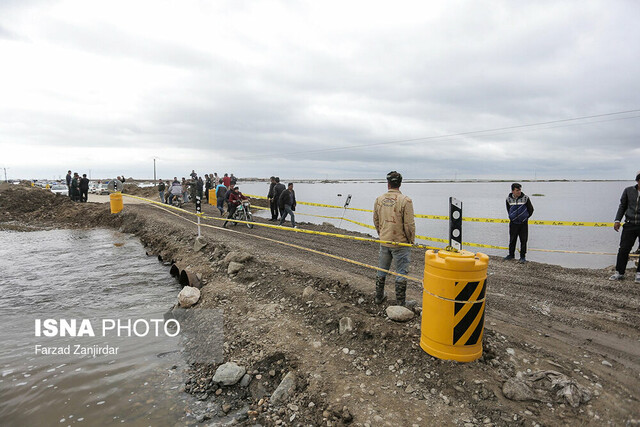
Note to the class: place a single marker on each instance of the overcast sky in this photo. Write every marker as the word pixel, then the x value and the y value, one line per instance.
pixel 264 88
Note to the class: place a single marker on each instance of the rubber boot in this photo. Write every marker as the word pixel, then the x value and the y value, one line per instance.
pixel 401 292
pixel 380 295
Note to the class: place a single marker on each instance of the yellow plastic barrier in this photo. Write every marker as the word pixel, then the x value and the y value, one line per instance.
pixel 115 200
pixel 212 197
pixel 453 304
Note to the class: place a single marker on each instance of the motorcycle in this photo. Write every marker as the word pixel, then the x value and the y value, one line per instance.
pixel 176 201
pixel 243 213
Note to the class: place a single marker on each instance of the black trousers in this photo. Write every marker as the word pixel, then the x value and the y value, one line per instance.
pixel 232 210
pixel 84 194
pixel 518 231
pixel 274 209
pixel 630 232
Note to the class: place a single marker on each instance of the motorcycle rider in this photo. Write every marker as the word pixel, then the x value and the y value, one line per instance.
pixel 176 190
pixel 235 198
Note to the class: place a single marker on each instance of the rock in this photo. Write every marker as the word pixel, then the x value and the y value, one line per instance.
pixel 399 313
pixel 229 373
pixel 246 379
pixel 234 267
pixel 238 256
pixel 409 390
pixel 511 352
pixel 346 325
pixel 308 293
pixel 286 388
pixel 226 408
pixel 188 296
pixel 517 389
pixel 607 363
pixel 199 244
pixel 346 415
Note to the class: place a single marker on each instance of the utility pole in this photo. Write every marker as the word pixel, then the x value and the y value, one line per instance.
pixel 154 170
pixel 5 174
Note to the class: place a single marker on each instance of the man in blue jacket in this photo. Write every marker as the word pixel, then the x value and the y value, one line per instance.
pixel 630 208
pixel 519 208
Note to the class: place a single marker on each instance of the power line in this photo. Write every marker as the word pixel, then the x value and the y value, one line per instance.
pixel 476 132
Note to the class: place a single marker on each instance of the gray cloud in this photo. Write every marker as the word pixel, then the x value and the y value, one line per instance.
pixel 306 83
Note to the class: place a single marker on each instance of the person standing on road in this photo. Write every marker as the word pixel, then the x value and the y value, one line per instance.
pixel 273 203
pixel 69 178
pixel 630 208
pixel 394 222
pixel 287 202
pixel 221 190
pixel 75 187
pixel 161 188
pixel 226 180
pixel 84 188
pixel 519 208
pixel 277 191
pixel 207 186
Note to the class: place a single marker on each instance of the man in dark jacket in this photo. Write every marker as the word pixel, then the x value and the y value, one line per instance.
pixel 227 195
pixel 69 178
pixel 221 192
pixel 207 186
pixel 75 187
pixel 273 203
pixel 287 204
pixel 277 191
pixel 630 208
pixel 519 208
pixel 161 187
pixel 84 188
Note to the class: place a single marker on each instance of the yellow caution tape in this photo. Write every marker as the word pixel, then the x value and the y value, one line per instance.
pixel 351 261
pixel 278 227
pixel 343 236
pixel 470 219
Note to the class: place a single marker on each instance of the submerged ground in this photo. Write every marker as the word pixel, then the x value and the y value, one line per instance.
pixel 543 323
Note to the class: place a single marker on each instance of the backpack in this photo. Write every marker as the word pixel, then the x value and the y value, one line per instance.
pixel 221 191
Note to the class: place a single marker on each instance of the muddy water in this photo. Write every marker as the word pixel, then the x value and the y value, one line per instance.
pixel 93 275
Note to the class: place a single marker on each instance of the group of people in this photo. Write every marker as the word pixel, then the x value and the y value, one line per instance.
pixel 282 201
pixel 393 218
pixel 394 221
pixel 78 187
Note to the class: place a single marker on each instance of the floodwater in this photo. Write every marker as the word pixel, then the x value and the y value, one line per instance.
pixel 554 201
pixel 93 275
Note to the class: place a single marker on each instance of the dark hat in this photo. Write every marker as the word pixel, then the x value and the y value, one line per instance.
pixel 394 177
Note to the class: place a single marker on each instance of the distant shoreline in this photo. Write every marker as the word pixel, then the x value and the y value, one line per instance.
pixel 371 180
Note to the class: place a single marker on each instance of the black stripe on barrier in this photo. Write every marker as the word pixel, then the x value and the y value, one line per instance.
pixel 473 339
pixel 465 294
pixel 484 288
pixel 464 324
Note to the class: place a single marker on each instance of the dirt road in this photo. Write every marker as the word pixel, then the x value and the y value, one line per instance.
pixel 539 318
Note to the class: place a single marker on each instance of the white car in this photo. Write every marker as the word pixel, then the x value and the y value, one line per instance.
pixel 59 189
pixel 103 189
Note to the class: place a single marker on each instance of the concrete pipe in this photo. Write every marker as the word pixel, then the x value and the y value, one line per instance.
pixel 188 278
pixel 175 270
